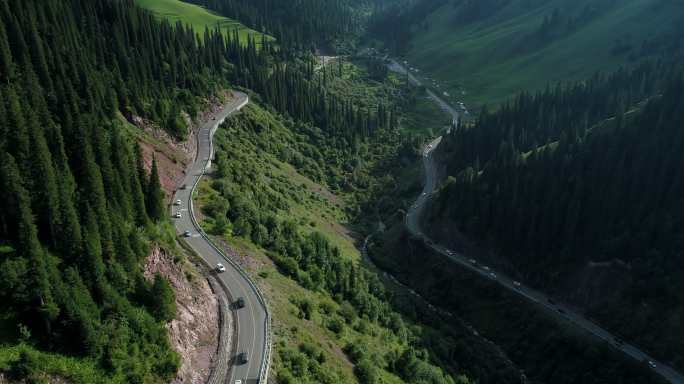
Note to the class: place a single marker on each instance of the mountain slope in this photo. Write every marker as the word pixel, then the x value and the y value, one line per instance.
pixel 333 320
pixel 81 212
pixel 492 51
pixel 592 213
pixel 198 18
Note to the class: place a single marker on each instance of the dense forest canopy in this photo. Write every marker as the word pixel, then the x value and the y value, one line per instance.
pixel 80 208
pixel 586 173
pixel 307 24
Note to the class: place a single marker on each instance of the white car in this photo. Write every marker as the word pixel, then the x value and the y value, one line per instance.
pixel 492 275
pixel 238 381
pixel 652 364
pixel 187 234
pixel 178 215
pixel 220 268
pixel 177 202
pixel 473 261
pixel 516 284
pixel 486 268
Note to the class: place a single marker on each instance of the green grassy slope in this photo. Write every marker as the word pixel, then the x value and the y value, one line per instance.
pixel 197 17
pixel 493 58
pixel 318 336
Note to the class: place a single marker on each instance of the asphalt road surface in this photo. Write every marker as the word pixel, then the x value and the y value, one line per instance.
pixel 251 327
pixel 539 298
pixel 394 66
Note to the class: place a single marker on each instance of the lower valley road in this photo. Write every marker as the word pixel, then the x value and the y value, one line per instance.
pixel 542 300
pixel 250 362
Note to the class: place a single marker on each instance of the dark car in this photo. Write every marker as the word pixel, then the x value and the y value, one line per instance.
pixel 240 303
pixel 242 358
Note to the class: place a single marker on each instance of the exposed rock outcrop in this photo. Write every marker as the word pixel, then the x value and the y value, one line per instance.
pixel 194 331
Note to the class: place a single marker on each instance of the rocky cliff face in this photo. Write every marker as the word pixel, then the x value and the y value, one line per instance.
pixel 194 331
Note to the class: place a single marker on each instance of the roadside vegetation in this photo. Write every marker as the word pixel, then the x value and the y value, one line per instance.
pixel 334 318
pixel 568 196
pixel 530 342
pixel 82 210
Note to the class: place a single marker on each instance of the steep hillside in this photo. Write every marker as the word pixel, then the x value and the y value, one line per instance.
pixel 591 213
pixel 305 24
pixel 503 330
pixel 198 18
pixel 487 51
pixel 333 319
pixel 83 200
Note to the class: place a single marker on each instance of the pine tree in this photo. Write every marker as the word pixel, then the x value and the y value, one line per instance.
pixel 39 300
pixel 6 64
pixel 155 195
pixel 163 299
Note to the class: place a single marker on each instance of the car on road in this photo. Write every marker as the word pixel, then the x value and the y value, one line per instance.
pixel 220 268
pixel 183 186
pixel 187 234
pixel 517 284
pixel 213 118
pixel 178 215
pixel 473 261
pixel 652 364
pixel 242 358
pixel 486 268
pixel 177 202
pixel 429 146
pixel 492 275
pixel 238 381
pixel 240 303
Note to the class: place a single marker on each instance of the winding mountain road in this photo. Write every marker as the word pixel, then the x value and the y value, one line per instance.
pixel 252 322
pixel 537 297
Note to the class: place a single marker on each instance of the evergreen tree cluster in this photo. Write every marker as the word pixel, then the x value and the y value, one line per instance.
pixel 565 111
pixel 582 174
pixel 290 84
pixel 77 200
pixel 300 24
